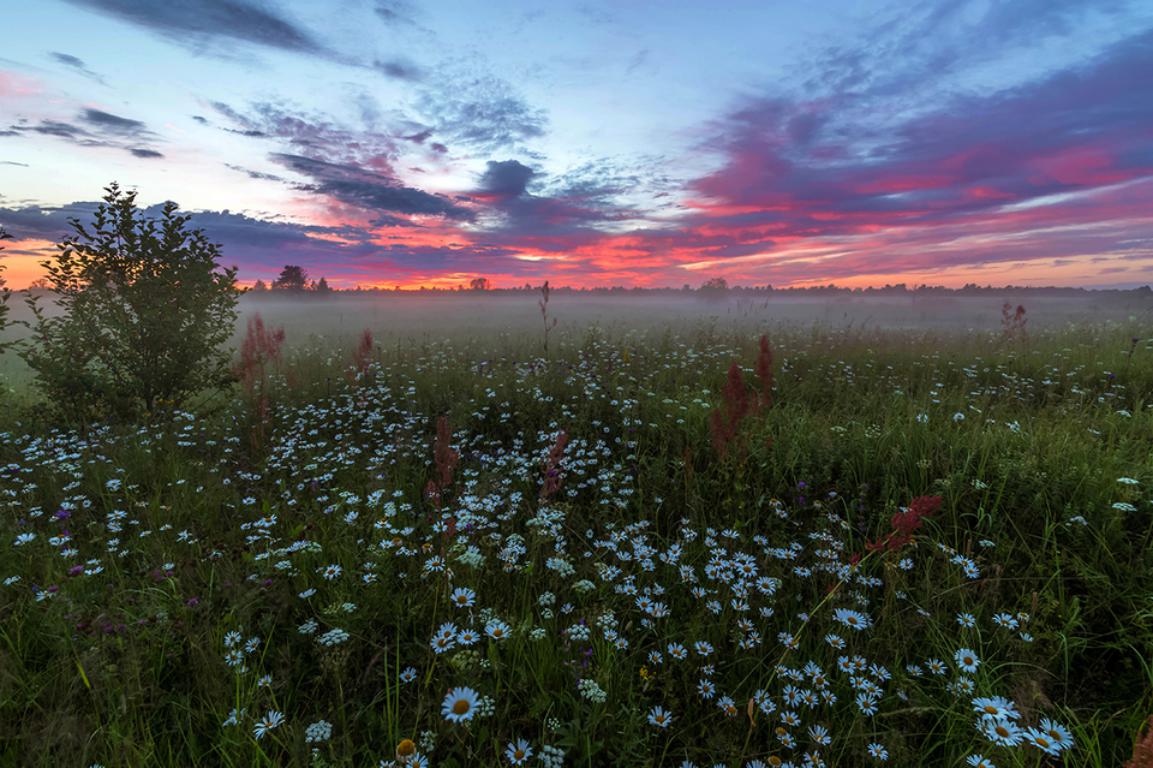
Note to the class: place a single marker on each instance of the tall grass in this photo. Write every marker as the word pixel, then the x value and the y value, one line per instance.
pixel 330 524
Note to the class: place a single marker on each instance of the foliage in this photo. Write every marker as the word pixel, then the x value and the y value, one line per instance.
pixel 4 292
pixel 139 310
pixel 292 278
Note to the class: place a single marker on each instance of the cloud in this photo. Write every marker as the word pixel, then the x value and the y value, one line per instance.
pixel 505 178
pixel 399 69
pixel 215 26
pixel 796 169
pixel 368 190
pixel 396 12
pixel 108 122
pixel 76 64
pixel 94 128
pixel 479 111
pixel 194 22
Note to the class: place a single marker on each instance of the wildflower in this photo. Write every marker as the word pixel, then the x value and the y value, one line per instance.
pixel 408 675
pixel 271 720
pixel 850 618
pixel 877 752
pixel 405 749
pixel 966 620
pixel 462 597
pixel 996 707
pixel 518 752
pixel 979 761
pixel 967 660
pixel 496 629
pixel 1041 741
pixel 1058 734
pixel 1004 733
pixel 319 731
pixel 459 705
pixel 820 734
pixel 660 718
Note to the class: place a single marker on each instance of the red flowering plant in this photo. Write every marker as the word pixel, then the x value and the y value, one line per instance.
pixel 905 523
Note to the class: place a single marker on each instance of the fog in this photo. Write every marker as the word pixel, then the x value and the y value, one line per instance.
pixel 469 316
pixel 430 315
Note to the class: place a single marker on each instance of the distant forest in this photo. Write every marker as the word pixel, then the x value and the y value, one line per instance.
pixel 294 280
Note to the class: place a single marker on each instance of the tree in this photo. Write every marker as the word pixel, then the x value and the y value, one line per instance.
pixel 4 292
pixel 142 309
pixel 322 286
pixel 259 286
pixel 292 278
pixel 479 284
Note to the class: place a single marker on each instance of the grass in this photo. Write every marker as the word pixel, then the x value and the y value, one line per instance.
pixel 142 548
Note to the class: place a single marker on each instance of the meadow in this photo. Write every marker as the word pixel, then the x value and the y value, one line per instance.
pixel 745 533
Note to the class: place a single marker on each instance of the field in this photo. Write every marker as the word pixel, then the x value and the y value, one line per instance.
pixel 895 533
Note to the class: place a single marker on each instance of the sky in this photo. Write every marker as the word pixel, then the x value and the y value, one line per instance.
pixel 633 142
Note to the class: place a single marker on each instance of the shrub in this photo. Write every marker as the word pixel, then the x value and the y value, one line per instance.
pixel 140 311
pixel 3 293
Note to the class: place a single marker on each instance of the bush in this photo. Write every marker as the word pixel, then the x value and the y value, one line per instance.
pixel 3 292
pixel 140 311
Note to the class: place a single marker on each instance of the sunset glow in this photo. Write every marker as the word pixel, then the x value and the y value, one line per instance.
pixel 412 144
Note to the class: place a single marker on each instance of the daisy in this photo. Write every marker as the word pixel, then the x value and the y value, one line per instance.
pixel 877 752
pixel 496 629
pixel 463 597
pixel 979 761
pixel 459 705
pixel 659 717
pixel 967 660
pixel 1041 741
pixel 1003 733
pixel 271 720
pixel 852 619
pixel 1057 733
pixel 518 752
pixel 996 707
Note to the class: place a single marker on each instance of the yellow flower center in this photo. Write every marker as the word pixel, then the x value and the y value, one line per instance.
pixel 405 748
pixel 460 707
